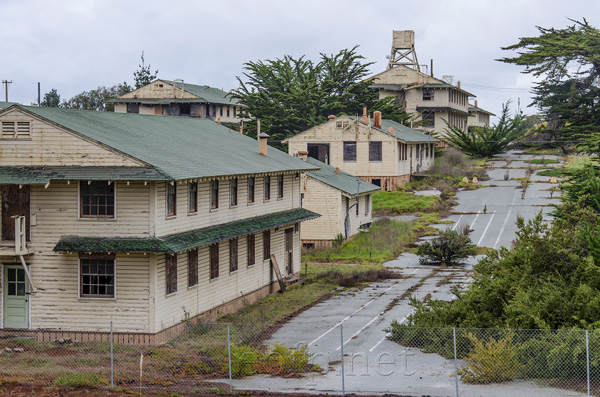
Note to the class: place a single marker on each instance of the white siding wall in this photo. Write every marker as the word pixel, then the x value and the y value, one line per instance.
pixel 324 200
pixel 50 145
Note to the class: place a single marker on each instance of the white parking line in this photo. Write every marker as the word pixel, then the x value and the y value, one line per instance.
pixel 350 315
pixel 472 223
pixel 384 337
pixel 505 220
pixel 359 331
pixel 486 228
pixel 458 222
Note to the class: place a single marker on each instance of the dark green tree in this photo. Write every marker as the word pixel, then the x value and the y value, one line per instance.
pixel 449 248
pixel 290 95
pixel 51 99
pixel 143 75
pixel 568 61
pixel 487 141
pixel 96 99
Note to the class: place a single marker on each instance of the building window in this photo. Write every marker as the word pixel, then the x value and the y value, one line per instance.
pixel 97 199
pixel 133 108
pixel 341 124
pixel 357 205
pixel 349 151
pixel 171 273
pixel 192 268
pixel 428 119
pixel 233 192
pixel 171 199
pixel 220 110
pixel 428 94
pixel 193 197
pixel 280 186
pixel 214 194
pixel 214 261
pixel 227 111
pixel 16 130
pixel 375 151
pixel 251 240
pixel 266 245
pixel 367 204
pixel 251 185
pixel 267 188
pixel 233 255
pixel 97 276
pixel 184 109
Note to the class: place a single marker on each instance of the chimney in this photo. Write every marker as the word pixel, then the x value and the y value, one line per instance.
pixel 476 103
pixel 337 170
pixel 303 154
pixel 458 84
pixel 377 119
pixel 390 129
pixel 364 117
pixel 331 117
pixel 262 143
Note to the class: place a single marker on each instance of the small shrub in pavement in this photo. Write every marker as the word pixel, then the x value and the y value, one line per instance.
pixel 449 248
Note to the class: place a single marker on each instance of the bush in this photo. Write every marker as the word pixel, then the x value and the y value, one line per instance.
pixel 76 380
pixel 449 248
pixel 243 360
pixel 494 361
pixel 281 360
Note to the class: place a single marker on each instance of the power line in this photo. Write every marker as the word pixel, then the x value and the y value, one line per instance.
pixel 490 88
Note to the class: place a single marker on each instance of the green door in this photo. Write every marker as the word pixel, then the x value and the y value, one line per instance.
pixel 16 306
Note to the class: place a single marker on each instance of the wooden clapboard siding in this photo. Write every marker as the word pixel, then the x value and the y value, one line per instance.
pixel 206 217
pixel 327 201
pixel 51 145
pixel 209 294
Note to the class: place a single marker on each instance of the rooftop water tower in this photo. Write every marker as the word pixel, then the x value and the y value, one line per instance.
pixel 403 50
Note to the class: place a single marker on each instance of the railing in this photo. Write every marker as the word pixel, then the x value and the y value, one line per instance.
pixel 20 235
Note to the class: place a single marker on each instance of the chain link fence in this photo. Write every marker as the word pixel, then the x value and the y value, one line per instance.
pixel 220 358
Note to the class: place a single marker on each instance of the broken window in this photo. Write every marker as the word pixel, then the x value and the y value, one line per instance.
pixel 375 151
pixel 349 151
pixel 97 199
pixel 192 268
pixel 428 94
pixel 97 276
pixel 171 273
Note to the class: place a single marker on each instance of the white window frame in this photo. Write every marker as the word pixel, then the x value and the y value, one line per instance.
pixel 113 298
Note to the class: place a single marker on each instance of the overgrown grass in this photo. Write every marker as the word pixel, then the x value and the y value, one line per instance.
pixel 388 203
pixel 80 380
pixel 542 161
pixel 385 240
pixel 541 152
pixel 455 165
pixel 556 171
pixel 575 161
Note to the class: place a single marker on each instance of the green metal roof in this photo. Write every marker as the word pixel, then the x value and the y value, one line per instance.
pixel 174 243
pixel 441 109
pixel 477 109
pixel 40 175
pixel 342 181
pixel 206 93
pixel 402 132
pixel 4 105
pixel 177 147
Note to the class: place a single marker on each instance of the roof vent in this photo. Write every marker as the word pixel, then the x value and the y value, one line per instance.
pixel 364 117
pixel 390 129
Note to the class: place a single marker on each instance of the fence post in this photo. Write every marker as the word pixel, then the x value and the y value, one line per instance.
pixel 112 361
pixel 342 358
pixel 229 356
pixel 455 360
pixel 587 356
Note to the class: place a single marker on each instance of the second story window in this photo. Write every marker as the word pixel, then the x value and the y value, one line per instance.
pixel 267 188
pixel 171 199
pixel 280 186
pixel 192 197
pixel 349 151
pixel 233 192
pixel 428 94
pixel 375 151
pixel 97 199
pixel 267 245
pixel 214 194
pixel 428 119
pixel 251 185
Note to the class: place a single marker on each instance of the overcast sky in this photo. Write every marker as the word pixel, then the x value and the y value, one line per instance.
pixel 78 45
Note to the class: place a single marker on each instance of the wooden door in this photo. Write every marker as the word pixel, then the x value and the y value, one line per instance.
pixel 15 201
pixel 16 298
pixel 289 250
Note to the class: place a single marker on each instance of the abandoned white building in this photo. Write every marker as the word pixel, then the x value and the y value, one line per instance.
pixel 379 151
pixel 343 200
pixel 144 221
pixel 177 98
pixel 478 117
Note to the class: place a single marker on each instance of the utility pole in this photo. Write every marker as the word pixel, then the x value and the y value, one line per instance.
pixel 6 83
